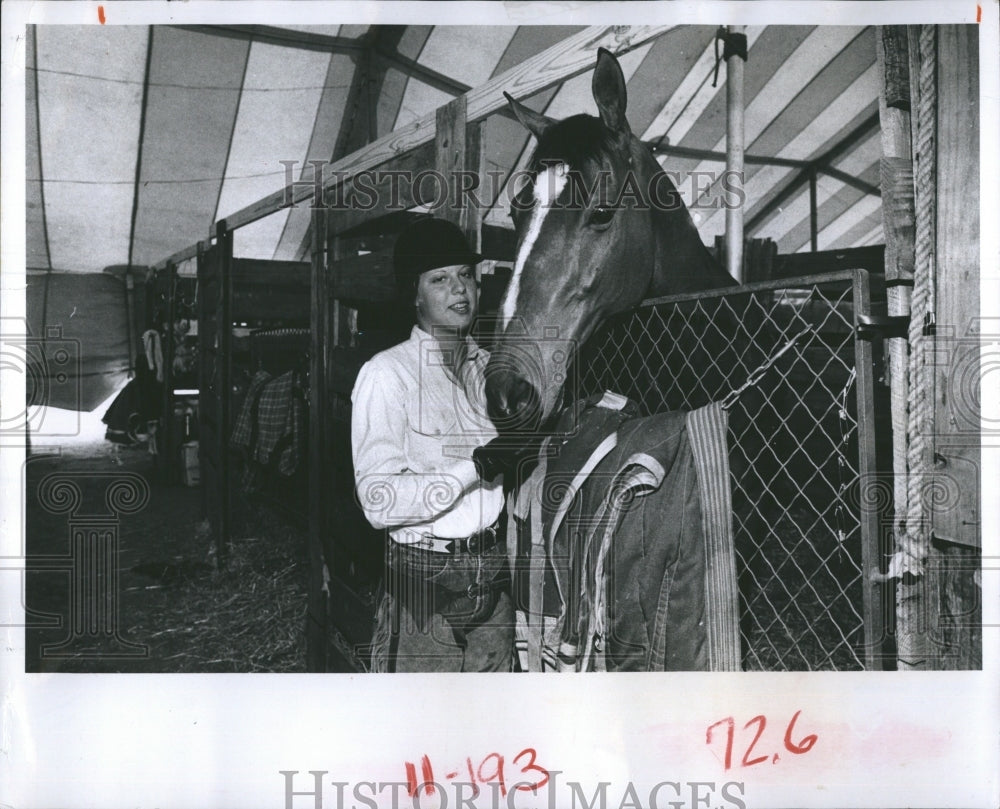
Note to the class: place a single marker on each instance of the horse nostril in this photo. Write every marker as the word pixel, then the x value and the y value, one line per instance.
pixel 512 402
pixel 522 405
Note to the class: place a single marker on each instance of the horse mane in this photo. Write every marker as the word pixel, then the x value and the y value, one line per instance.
pixel 682 262
pixel 579 141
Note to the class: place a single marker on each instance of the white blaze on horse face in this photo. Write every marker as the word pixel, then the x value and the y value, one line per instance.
pixel 548 186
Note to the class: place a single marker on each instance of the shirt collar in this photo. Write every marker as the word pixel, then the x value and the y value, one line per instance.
pixel 417 335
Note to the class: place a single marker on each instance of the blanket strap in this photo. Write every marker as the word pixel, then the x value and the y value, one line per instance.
pixel 536 568
pixel 707 430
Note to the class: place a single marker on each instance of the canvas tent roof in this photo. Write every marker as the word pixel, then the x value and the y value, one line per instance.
pixel 139 138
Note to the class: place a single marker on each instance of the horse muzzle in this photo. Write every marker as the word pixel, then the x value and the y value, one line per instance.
pixel 512 402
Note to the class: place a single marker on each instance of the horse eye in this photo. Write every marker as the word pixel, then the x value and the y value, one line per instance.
pixel 601 216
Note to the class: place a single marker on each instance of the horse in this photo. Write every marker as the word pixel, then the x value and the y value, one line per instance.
pixel 600 227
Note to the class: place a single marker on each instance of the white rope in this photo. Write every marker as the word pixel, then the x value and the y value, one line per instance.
pixel 914 541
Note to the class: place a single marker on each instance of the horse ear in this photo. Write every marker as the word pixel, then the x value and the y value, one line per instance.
pixel 609 91
pixel 534 122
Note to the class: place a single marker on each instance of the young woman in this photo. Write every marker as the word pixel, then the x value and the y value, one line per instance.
pixel 419 412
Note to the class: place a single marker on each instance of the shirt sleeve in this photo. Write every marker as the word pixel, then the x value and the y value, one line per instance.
pixel 391 494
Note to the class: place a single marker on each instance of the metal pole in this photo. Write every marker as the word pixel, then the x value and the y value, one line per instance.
pixel 813 212
pixel 734 158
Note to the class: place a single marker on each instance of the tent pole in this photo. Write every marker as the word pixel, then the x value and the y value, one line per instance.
pixel 130 316
pixel 813 212
pixel 734 155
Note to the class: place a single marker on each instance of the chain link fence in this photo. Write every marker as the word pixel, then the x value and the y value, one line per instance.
pixel 799 447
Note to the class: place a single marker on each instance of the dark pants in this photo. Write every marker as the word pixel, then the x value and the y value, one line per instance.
pixel 450 612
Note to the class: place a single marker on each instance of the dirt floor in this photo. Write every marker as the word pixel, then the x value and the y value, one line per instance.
pixel 160 602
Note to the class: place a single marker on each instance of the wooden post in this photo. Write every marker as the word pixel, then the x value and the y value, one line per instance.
pixel 166 449
pixel 224 335
pixel 449 158
pixel 734 158
pixel 459 160
pixel 869 518
pixel 897 223
pixel 320 486
pixel 955 599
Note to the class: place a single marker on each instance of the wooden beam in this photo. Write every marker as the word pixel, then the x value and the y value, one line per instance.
pixel 271 274
pixel 365 278
pixel 763 160
pixel 822 162
pixel 286 37
pixel 847 179
pixel 189 252
pixel 566 59
pixel 708 154
pixel 415 70
pixel 388 189
pixel 957 332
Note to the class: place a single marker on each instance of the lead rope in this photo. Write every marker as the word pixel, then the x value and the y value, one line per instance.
pixel 758 374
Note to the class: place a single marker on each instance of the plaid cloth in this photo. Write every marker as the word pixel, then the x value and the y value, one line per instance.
pixel 270 419
pixel 278 417
pixel 243 429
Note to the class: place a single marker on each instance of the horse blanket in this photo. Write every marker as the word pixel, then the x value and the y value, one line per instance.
pixel 624 549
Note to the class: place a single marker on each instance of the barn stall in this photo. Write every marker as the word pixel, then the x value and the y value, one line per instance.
pixel 855 489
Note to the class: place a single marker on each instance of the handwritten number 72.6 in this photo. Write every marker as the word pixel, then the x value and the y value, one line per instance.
pixel 797 748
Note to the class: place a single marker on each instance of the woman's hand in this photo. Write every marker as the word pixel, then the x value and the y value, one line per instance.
pixel 506 454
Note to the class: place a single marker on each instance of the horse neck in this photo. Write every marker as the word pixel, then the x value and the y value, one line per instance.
pixel 681 262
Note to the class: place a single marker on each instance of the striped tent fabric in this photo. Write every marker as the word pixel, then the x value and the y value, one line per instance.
pixel 140 138
pixel 147 135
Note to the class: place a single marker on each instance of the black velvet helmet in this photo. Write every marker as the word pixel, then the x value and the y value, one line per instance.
pixel 427 244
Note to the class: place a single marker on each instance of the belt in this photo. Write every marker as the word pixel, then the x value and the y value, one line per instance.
pixel 478 543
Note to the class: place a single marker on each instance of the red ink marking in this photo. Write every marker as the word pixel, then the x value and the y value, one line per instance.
pixel 979 13
pixel 802 747
pixel 798 748
pixel 496 774
pixel 729 723
pixel 531 753
pixel 100 14
pixel 761 722
pixel 411 779
pixel 428 774
pixel 490 769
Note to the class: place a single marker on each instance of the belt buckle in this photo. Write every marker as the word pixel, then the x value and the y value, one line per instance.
pixel 476 544
pixel 474 590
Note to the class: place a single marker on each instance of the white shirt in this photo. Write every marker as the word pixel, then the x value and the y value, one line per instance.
pixel 413 429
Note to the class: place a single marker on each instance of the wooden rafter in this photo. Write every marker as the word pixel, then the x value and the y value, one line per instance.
pixel 821 164
pixel 563 61
pixel 287 37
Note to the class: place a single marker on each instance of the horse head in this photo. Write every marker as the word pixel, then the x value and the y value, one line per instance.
pixel 599 227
